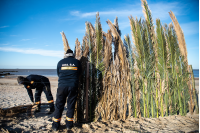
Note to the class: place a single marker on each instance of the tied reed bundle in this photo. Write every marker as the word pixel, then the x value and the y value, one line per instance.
pixel 148 78
pixel 183 51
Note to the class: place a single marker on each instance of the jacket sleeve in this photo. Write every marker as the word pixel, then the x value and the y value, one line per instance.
pixel 34 83
pixel 30 93
pixel 58 69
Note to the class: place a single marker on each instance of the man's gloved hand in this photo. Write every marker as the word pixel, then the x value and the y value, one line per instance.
pixel 32 103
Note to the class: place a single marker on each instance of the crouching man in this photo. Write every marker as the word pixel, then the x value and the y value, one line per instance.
pixel 40 83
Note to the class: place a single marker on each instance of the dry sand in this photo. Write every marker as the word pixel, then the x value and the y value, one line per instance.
pixel 12 94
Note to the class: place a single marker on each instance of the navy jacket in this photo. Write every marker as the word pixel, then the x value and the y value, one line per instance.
pixel 68 70
pixel 35 81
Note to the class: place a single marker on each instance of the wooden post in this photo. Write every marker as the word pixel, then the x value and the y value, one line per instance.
pixel 87 86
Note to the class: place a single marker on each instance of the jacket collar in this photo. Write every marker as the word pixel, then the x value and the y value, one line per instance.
pixel 69 55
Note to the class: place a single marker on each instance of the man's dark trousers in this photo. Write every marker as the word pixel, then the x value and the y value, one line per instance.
pixel 64 92
pixel 48 94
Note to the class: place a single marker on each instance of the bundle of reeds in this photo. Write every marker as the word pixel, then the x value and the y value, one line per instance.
pixel 149 78
pixel 167 82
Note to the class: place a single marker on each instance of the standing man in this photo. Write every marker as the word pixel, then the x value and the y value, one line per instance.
pixel 68 70
pixel 41 83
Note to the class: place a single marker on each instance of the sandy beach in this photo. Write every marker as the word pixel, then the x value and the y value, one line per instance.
pixel 13 95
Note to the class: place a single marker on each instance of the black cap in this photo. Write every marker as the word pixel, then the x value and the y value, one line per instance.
pixel 21 80
pixel 69 51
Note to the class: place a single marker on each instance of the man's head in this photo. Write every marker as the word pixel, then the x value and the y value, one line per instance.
pixel 21 80
pixel 69 51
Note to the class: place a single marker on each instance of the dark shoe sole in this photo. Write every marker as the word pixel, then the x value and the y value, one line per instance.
pixel 68 128
pixel 54 129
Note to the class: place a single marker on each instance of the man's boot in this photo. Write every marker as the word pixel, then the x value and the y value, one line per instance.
pixel 69 123
pixel 55 124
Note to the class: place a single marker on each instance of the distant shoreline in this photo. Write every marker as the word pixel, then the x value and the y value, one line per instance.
pixel 26 72
pixel 31 69
pixel 49 72
pixel 15 76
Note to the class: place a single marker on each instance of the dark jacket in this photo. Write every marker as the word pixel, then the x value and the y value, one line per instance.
pixel 36 81
pixel 68 70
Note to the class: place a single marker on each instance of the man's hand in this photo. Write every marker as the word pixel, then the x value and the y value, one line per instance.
pixel 32 103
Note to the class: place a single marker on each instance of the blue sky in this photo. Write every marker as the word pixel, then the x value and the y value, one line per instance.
pixel 30 29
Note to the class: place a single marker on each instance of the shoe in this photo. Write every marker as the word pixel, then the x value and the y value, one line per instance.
pixel 55 126
pixel 69 124
pixel 51 110
pixel 68 128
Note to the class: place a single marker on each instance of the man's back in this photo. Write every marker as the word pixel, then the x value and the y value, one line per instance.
pixel 35 77
pixel 68 70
